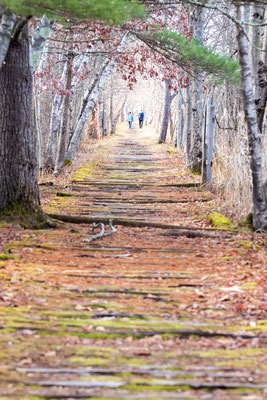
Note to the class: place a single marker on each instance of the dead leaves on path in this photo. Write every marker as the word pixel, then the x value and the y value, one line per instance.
pixel 153 316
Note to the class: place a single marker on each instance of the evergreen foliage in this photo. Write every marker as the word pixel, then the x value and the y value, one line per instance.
pixel 110 11
pixel 191 54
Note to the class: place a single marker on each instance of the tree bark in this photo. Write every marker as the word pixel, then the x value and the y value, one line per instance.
pixel 123 108
pixel 166 115
pixel 259 203
pixel 55 120
pixel 19 193
pixel 90 100
pixel 195 161
pixel 104 116
pixel 65 118
pixel 178 139
pixel 259 60
pixel 7 25
pixel 38 45
pixel 188 125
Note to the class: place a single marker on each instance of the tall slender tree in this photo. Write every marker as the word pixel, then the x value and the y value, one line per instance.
pixel 259 201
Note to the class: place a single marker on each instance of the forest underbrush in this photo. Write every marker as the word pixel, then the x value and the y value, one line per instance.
pixel 232 174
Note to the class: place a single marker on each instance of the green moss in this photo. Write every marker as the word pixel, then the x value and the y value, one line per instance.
pixel 67 163
pixel 85 335
pixel 249 245
pixel 16 245
pixel 249 219
pixel 195 171
pixel 12 310
pixel 219 220
pixel 4 224
pixel 244 390
pixel 228 354
pixel 9 257
pixel 133 387
pixel 26 215
pixel 172 151
pixel 88 361
pixel 64 194
pixel 85 172
pixel 238 363
pixel 86 351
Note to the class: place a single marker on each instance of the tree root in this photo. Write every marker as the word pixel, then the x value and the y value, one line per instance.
pixel 128 222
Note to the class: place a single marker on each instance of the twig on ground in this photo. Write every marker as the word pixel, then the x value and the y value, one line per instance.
pixel 102 233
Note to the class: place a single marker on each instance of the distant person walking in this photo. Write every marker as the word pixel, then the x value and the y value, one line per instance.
pixel 130 119
pixel 141 119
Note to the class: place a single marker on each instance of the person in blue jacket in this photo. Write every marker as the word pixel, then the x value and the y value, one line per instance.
pixel 141 119
pixel 130 119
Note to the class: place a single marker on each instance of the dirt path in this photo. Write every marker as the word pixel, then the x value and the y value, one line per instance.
pixel 137 314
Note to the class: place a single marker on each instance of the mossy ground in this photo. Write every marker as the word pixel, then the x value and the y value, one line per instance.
pixel 218 220
pixel 155 315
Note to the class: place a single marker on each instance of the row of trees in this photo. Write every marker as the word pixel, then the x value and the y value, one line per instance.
pixel 246 36
pixel 71 63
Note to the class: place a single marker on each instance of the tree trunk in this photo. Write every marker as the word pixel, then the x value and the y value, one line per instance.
pixel 195 161
pixel 7 24
pixel 123 108
pixel 65 119
pixel 90 100
pixel 55 120
pixel 104 116
pixel 94 130
pixel 38 58
pixel 111 110
pixel 167 108
pixel 178 139
pixel 259 202
pixel 37 125
pixel 188 125
pixel 259 60
pixel 19 194
pixel 56 115
pixel 88 104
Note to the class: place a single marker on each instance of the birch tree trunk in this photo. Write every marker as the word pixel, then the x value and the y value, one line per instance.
pixel 55 119
pixel 37 125
pixel 114 119
pixel 258 49
pixel 166 115
pixel 56 116
pixel 38 47
pixel 178 138
pixel 65 118
pixel 7 25
pixel 123 108
pixel 259 202
pixel 94 130
pixel 104 116
pixel 188 124
pixel 195 161
pixel 89 101
pixel 111 109
pixel 38 57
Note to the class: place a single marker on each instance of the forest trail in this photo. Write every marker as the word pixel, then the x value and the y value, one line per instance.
pixel 137 314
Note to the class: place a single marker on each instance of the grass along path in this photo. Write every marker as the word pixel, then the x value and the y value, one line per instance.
pixel 138 314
